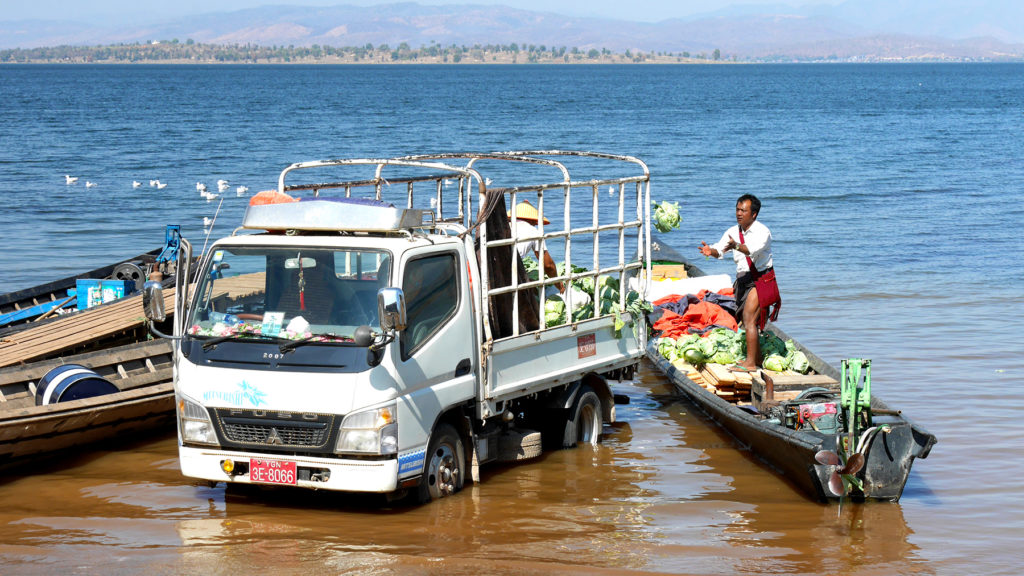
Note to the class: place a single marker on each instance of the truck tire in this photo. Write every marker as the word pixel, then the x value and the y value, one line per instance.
pixel 445 471
pixel 586 421
pixel 519 445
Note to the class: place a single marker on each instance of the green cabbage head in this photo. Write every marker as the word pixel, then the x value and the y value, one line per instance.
pixel 666 216
pixel 554 311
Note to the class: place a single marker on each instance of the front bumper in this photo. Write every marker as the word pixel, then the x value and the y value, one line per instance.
pixel 349 475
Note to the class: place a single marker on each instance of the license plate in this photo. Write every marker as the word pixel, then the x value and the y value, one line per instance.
pixel 272 472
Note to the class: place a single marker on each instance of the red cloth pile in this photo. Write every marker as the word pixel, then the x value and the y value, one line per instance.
pixel 699 315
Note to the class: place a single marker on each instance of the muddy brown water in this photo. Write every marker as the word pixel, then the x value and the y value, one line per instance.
pixel 666 492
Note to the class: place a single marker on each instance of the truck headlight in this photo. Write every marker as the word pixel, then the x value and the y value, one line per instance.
pixel 194 423
pixel 369 432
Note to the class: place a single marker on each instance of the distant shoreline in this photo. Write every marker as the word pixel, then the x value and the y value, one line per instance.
pixel 187 53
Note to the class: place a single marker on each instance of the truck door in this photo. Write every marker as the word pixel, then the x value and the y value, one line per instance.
pixel 435 356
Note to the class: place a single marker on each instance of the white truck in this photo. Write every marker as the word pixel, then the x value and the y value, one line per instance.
pixel 386 340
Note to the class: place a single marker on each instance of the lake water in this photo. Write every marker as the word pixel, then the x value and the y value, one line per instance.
pixel 894 194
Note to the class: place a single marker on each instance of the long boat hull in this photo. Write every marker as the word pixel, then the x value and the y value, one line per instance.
pixel 22 306
pixel 792 452
pixel 145 403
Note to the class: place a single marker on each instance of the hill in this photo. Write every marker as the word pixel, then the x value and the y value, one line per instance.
pixel 859 30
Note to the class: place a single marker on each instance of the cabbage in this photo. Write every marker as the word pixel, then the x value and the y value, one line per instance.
pixel 790 347
pixel 609 282
pixel 665 345
pixel 723 357
pixel 532 269
pixel 708 347
pixel 579 298
pixel 775 363
pixel 799 362
pixel 587 311
pixel 666 216
pixel 585 284
pixel 772 344
pixel 686 340
pixel 693 355
pixel 554 311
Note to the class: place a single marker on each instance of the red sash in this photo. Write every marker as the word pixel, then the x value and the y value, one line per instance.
pixel 767 290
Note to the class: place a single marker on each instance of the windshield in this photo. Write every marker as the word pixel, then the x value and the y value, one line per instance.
pixel 293 293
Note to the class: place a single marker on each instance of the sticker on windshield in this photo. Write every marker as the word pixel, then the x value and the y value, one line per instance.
pixel 272 322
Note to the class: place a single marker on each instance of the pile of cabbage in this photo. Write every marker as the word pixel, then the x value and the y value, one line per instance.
pixel 724 346
pixel 666 216
pixel 592 299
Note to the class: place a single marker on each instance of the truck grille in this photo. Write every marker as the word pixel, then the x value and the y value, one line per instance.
pixel 269 430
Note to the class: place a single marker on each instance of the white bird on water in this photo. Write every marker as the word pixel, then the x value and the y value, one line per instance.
pixel 207 222
pixel 222 186
pixel 200 186
pixel 70 179
pixel 89 184
pixel 222 182
pixel 153 183
pixel 241 190
pixel 136 183
pixel 160 185
pixel 210 196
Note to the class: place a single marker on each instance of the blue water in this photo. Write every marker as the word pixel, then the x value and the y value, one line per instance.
pixel 894 193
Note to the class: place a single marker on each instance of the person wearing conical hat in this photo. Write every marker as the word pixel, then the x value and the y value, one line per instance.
pixel 526 225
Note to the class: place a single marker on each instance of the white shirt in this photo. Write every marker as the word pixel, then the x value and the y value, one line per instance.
pixel 527 247
pixel 758 240
pixel 532 248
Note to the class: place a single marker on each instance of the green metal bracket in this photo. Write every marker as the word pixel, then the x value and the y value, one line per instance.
pixel 853 389
pixel 855 396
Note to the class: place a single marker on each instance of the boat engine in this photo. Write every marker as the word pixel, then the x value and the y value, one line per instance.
pixel 815 408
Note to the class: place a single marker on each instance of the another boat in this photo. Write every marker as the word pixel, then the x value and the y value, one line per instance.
pixel 22 306
pixel 798 423
pixel 144 402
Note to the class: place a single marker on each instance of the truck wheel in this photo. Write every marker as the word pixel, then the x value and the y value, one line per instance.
pixel 519 445
pixel 445 473
pixel 585 424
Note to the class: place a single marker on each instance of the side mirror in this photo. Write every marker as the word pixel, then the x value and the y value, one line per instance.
pixel 153 301
pixel 391 309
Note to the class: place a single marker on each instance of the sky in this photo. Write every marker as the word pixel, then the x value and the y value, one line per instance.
pixel 149 10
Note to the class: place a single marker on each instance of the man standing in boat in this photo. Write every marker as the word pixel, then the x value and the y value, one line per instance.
pixel 751 245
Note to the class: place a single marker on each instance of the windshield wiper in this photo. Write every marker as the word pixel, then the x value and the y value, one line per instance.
pixel 332 339
pixel 215 340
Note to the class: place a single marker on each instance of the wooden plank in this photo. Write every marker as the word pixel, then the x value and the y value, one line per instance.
pixel 798 381
pixel 77 330
pixel 95 360
pixel 708 376
pixel 671 271
pixel 722 374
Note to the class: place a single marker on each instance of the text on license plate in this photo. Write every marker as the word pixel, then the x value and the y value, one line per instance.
pixel 272 471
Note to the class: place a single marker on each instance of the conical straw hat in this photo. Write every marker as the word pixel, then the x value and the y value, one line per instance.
pixel 526 211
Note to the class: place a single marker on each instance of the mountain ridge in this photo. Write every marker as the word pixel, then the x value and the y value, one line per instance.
pixel 740 32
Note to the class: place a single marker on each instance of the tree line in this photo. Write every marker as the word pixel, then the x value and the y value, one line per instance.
pixel 191 51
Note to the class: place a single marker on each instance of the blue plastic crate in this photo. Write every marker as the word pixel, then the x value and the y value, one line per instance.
pixel 94 292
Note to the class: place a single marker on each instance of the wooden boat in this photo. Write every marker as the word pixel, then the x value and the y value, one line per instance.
pixel 22 306
pixel 145 403
pixel 806 456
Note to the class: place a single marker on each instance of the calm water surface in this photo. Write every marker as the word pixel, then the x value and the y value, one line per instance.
pixel 893 193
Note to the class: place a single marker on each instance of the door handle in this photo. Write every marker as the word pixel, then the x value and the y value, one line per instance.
pixel 463 367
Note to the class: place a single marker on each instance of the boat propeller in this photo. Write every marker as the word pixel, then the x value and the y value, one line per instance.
pixel 843 474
